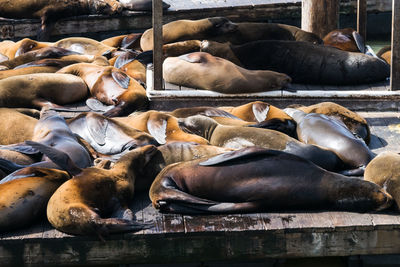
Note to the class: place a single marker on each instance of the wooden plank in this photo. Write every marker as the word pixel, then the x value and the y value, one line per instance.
pixel 157 44
pixel 362 18
pixel 395 60
pixel 319 16
pixel 385 221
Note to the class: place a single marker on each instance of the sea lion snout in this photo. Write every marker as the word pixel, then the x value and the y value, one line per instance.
pixel 223 25
pixel 383 199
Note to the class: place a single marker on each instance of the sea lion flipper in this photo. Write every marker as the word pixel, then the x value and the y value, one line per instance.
pixel 97 127
pixel 354 172
pixel 22 148
pixel 260 111
pixel 158 128
pixel 359 41
pixel 121 78
pixel 284 126
pixel 96 105
pixel 224 207
pixel 124 59
pixel 238 154
pixel 145 57
pixel 130 40
pixel 215 112
pixel 57 156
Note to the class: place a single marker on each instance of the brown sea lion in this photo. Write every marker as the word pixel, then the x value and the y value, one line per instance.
pixel 17 157
pixel 180 48
pixel 346 39
pixel 16 126
pixel 305 62
pixel 356 124
pixel 134 64
pixel 15 49
pixel 384 170
pixel 24 200
pixel 181 30
pixel 126 41
pixel 385 53
pixel 110 86
pixel 163 127
pixel 41 89
pixel 141 5
pixel 204 71
pixel 28 70
pixel 240 137
pixel 84 204
pixel 255 179
pixel 108 136
pixel 329 133
pixel 3 57
pixel 84 45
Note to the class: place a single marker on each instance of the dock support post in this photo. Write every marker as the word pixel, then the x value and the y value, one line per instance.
pixel 157 45
pixel 395 66
pixel 362 18
pixel 319 16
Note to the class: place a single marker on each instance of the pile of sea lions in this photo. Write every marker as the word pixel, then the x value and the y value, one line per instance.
pixel 83 172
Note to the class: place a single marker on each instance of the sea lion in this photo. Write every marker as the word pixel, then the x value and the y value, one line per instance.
pixel 305 62
pixel 28 70
pixel 163 127
pixel 84 45
pixel 385 53
pixel 263 180
pixel 16 126
pixel 356 124
pixel 180 48
pixel 239 137
pixel 181 30
pixel 108 136
pixel 384 170
pixel 203 71
pixel 24 200
pixel 110 86
pixel 14 49
pixel 318 129
pixel 126 41
pixel 83 204
pixel 346 39
pixel 3 57
pixel 17 157
pixel 134 64
pixel 141 5
pixel 41 89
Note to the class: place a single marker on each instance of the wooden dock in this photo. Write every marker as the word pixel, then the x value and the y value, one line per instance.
pixel 221 238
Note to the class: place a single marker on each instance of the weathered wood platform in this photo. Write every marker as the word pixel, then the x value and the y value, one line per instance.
pixel 240 237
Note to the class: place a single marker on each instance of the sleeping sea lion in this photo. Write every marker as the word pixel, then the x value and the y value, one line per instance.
pixel 329 133
pixel 180 48
pixel 17 127
pixel 126 41
pixel 24 200
pixel 356 124
pixel 41 89
pixel 110 86
pixel 384 170
pixel 385 53
pixel 163 127
pixel 240 137
pixel 14 49
pixel 84 204
pixel 346 39
pixel 108 136
pixel 305 62
pixel 181 30
pixel 84 45
pixel 254 179
pixel 203 71
pixel 141 5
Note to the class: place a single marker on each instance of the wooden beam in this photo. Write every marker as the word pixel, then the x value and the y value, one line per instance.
pixel 319 16
pixel 362 18
pixel 158 42
pixel 395 66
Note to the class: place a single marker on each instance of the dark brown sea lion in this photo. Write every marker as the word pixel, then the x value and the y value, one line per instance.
pixel 181 30
pixel 329 133
pixel 263 180
pixel 24 200
pixel 163 127
pixel 305 62
pixel 41 89
pixel 111 86
pixel 385 53
pixel 204 71
pixel 16 126
pixel 85 203
pixel 108 136
pixel 356 124
pixel 126 41
pixel 345 39
pixel 240 137
pixel 384 170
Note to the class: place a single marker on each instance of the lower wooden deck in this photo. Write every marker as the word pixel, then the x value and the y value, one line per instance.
pixel 214 238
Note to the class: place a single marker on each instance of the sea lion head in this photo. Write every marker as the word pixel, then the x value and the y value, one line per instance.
pixel 310 37
pixel 221 25
pixel 104 7
pixel 198 124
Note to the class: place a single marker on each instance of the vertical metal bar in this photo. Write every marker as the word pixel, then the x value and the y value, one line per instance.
pixel 362 18
pixel 395 66
pixel 157 44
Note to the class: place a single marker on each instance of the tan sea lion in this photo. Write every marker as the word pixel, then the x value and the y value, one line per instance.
pixel 84 45
pixel 163 127
pixel 203 71
pixel 346 39
pixel 385 53
pixel 180 48
pixel 254 179
pixel 134 64
pixel 384 170
pixel 126 41
pixel 24 200
pixel 356 124
pixel 17 127
pixel 305 62
pixel 14 49
pixel 181 30
pixel 240 137
pixel 41 89
pixel 110 86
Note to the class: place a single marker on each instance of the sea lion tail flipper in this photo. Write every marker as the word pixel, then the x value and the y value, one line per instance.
pixel 131 40
pixel 359 40
pixel 115 225
pixel 96 105
pixel 260 111
pixel 97 127
pixel 57 156
pixel 21 148
pixel 215 112
pixel 121 78
pixel 125 58
pixel 145 57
